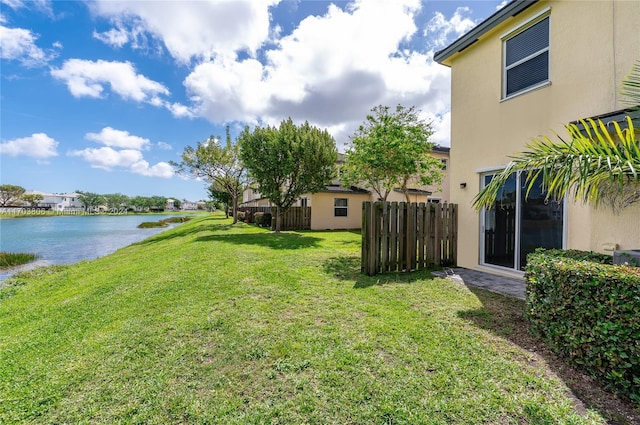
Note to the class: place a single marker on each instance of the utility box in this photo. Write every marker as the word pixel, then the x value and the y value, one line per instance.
pixel 630 257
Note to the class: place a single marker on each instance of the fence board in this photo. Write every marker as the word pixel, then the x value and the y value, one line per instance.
pixel 296 218
pixel 397 236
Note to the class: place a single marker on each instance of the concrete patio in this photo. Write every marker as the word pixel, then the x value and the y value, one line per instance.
pixel 513 287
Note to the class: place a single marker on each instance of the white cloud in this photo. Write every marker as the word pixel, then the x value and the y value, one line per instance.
pixel 127 153
pixel 118 139
pixel 20 44
pixel 199 30
pixel 42 5
pixel 38 145
pixel 161 169
pixel 108 158
pixel 330 70
pixel 440 31
pixel 164 146
pixel 502 4
pixel 85 78
pixel 115 37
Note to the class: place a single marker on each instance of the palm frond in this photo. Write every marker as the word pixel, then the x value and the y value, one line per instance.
pixel 631 86
pixel 592 166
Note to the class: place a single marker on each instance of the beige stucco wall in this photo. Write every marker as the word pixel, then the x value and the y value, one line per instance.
pixel 322 213
pixel 588 60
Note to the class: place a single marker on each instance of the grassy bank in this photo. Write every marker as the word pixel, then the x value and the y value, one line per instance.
pixel 212 323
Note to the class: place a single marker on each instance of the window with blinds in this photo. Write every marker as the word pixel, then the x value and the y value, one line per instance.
pixel 526 59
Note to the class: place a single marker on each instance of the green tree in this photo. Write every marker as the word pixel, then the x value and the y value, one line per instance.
pixel 592 165
pixel 116 200
pixel 218 194
pixel 220 165
pixel 90 199
pixel 287 161
pixel 32 199
pixel 391 149
pixel 10 193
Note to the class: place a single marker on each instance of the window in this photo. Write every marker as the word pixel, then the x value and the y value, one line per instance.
pixel 526 59
pixel 517 224
pixel 340 207
pixel 304 202
pixel 443 163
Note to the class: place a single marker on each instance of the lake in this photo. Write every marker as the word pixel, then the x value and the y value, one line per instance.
pixel 68 239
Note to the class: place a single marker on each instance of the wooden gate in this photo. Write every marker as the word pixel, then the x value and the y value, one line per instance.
pixel 397 236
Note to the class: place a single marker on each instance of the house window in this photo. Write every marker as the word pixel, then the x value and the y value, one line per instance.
pixel 304 202
pixel 443 164
pixel 526 58
pixel 340 207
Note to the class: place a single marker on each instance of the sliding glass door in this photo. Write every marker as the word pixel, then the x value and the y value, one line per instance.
pixel 516 226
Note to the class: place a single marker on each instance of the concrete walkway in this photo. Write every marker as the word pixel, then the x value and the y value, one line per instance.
pixel 510 286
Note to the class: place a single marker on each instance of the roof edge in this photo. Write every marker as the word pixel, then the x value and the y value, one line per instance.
pixel 511 9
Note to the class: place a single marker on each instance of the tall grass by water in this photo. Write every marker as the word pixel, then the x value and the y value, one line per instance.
pixel 12 259
pixel 213 323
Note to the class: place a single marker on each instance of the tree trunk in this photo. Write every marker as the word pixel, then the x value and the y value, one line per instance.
pixel 278 218
pixel 406 191
pixel 226 210
pixel 235 209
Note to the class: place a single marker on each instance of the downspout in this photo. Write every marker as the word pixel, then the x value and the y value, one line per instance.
pixel 613 40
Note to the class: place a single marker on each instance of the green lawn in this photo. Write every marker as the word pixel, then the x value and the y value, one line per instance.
pixel 212 323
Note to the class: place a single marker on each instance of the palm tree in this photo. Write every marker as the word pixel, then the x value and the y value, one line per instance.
pixel 593 165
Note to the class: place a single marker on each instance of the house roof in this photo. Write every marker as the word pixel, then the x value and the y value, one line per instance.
pixel 618 116
pixel 414 191
pixel 441 149
pixel 336 188
pixel 511 9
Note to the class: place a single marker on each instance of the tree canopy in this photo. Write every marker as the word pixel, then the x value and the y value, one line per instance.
pixel 391 149
pixel 220 165
pixel 10 193
pixel 90 199
pixel 288 161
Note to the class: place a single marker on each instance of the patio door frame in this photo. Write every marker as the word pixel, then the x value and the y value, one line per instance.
pixel 516 249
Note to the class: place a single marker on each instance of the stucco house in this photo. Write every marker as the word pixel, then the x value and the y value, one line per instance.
pixel 340 207
pixel 527 70
pixel 58 201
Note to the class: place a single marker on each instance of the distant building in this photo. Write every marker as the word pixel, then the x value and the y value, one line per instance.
pixel 57 201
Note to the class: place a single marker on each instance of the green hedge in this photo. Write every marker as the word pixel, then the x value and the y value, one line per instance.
pixel 262 219
pixel 588 311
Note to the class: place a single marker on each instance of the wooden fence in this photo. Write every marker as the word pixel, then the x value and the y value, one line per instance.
pixel 397 236
pixel 296 218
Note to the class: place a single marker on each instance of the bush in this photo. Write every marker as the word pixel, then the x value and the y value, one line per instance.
pixel 262 219
pixel 241 215
pixel 587 311
pixel 151 224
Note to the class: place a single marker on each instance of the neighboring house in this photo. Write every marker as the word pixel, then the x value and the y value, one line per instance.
pixel 57 201
pixel 527 70
pixel 339 207
pixel 189 205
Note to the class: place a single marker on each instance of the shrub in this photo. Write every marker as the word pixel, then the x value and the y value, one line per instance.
pixel 151 224
pixel 587 311
pixel 262 219
pixel 241 215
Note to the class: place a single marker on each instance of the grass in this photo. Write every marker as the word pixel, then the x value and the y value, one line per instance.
pixel 213 323
pixel 12 259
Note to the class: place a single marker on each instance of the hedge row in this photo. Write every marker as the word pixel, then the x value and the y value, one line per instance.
pixel 259 218
pixel 588 311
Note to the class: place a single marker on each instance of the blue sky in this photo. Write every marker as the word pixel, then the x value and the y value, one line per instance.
pixel 100 95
